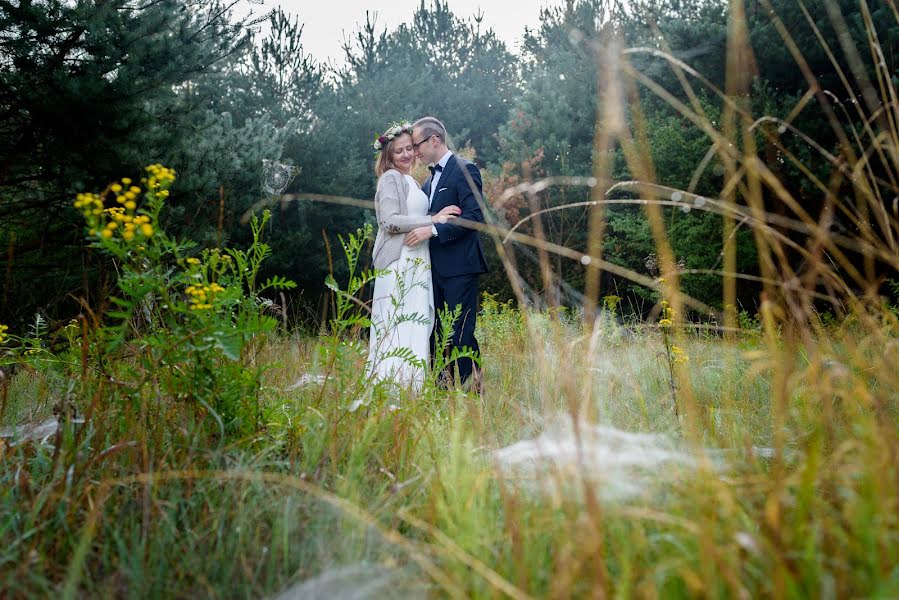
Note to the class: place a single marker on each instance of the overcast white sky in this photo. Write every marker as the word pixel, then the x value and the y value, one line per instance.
pixel 329 22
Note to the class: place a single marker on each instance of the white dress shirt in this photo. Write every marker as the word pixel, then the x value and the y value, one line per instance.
pixel 435 178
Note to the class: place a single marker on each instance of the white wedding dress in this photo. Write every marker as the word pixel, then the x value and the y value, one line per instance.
pixel 402 311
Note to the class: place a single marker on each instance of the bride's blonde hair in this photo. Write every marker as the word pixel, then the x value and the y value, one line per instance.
pixel 385 162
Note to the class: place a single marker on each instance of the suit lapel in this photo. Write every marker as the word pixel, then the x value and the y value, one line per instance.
pixel 448 169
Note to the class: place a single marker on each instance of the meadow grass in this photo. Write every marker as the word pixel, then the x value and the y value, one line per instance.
pixel 411 486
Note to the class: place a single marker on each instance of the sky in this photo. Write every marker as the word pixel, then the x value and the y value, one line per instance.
pixel 329 22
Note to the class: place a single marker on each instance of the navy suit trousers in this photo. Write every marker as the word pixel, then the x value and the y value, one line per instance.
pixel 461 290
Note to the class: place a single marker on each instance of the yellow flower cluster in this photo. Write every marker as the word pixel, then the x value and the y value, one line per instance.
pixel 611 301
pixel 667 319
pixel 130 225
pixel 122 220
pixel 202 296
pixel 126 197
pixel 159 177
pixel 89 204
pixel 3 330
pixel 680 357
pixel 105 223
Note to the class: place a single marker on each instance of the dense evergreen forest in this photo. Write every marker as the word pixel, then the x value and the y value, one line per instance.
pixel 90 91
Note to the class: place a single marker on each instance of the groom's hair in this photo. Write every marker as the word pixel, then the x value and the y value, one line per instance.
pixel 430 126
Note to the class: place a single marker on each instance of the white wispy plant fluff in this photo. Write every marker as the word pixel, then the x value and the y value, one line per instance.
pixel 622 464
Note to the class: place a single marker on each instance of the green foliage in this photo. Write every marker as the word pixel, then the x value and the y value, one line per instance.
pixel 89 89
pixel 187 323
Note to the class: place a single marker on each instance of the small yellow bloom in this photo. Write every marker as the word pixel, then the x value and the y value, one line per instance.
pixel 130 205
pixel 126 181
pixel 107 233
pixel 193 261
pixel 116 188
pixel 112 225
pixel 665 323
pixel 128 236
pixel 146 229
pixel 680 357
pixel 134 189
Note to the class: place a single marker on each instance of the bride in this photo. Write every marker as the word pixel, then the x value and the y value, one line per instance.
pixel 402 314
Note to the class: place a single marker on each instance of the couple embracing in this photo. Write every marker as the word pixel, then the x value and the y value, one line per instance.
pixel 427 260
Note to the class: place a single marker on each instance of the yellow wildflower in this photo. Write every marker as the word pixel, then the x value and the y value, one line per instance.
pixel 146 229
pixel 116 188
pixel 130 205
pixel 107 233
pixel 160 175
pixel 680 357
pixel 126 181
pixel 665 323
pixel 128 236
pixel 193 261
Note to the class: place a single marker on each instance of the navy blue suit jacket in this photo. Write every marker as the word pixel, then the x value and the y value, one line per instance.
pixel 457 249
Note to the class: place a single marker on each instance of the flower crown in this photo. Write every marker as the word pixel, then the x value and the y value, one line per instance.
pixel 396 129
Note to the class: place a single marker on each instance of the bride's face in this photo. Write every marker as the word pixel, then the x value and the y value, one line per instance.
pixel 403 154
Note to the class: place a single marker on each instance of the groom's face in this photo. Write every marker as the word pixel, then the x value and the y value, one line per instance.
pixel 424 147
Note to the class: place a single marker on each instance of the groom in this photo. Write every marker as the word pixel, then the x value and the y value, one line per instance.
pixel 457 259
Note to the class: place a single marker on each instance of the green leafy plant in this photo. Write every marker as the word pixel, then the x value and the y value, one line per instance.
pixel 186 322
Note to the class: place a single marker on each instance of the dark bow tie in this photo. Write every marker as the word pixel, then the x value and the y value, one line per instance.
pixel 434 168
